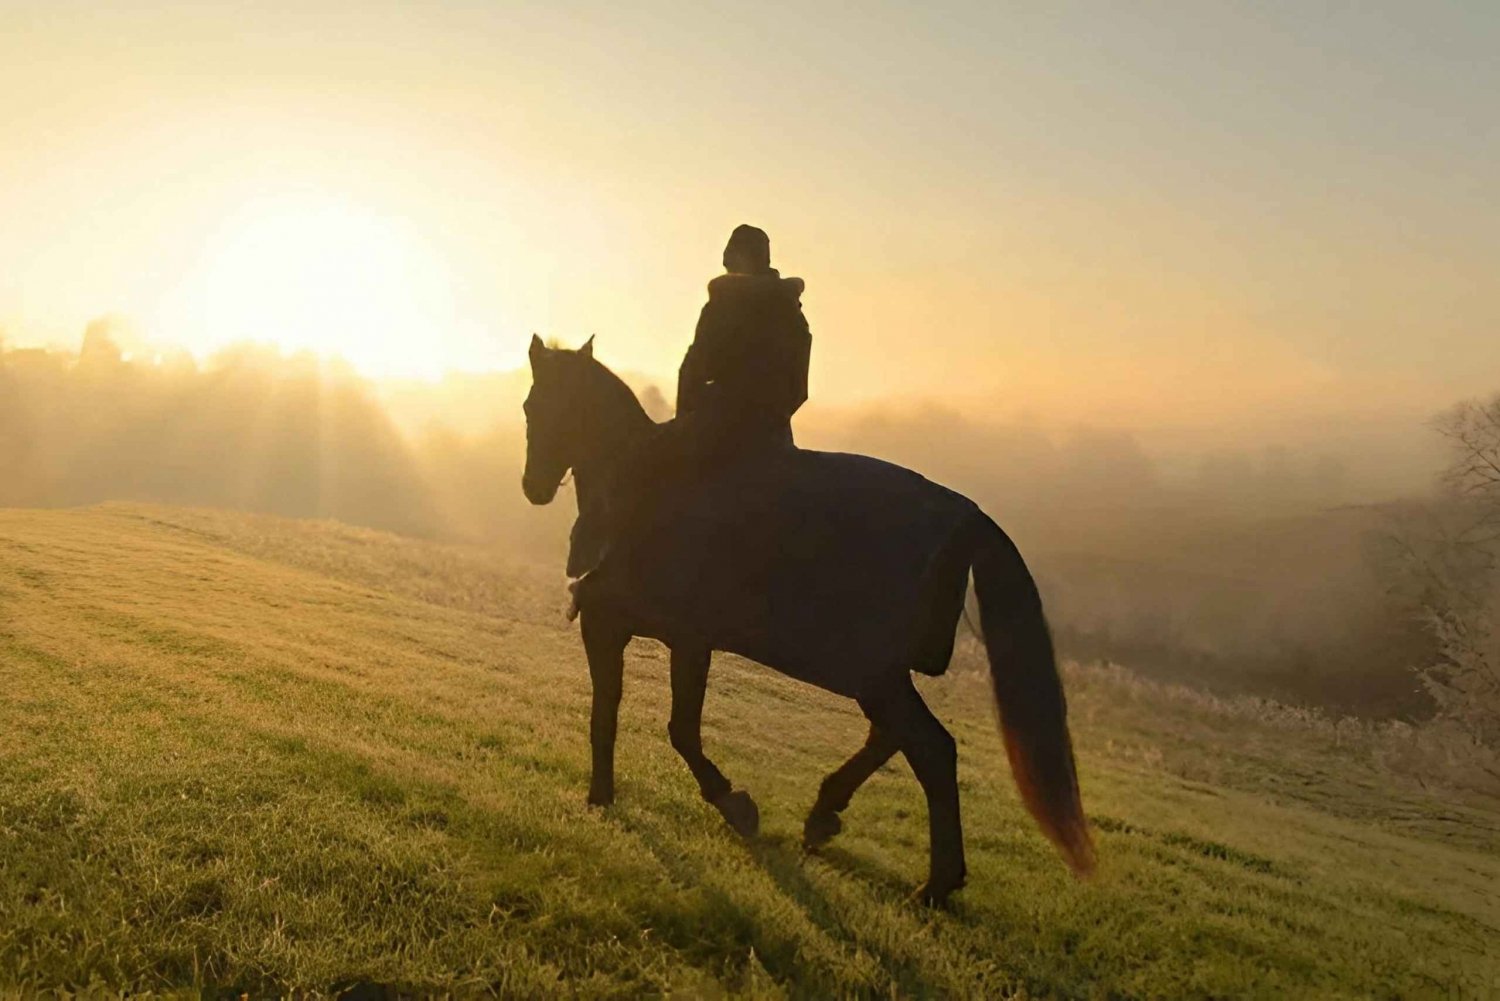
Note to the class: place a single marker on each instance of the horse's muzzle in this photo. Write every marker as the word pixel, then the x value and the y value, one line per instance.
pixel 539 491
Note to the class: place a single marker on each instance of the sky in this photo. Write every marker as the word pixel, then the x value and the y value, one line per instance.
pixel 1196 215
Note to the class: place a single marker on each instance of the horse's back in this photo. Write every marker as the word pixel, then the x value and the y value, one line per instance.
pixel 815 563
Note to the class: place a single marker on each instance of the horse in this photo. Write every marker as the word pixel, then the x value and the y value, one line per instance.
pixel 841 570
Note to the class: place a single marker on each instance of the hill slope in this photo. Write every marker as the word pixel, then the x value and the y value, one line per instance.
pixel 250 754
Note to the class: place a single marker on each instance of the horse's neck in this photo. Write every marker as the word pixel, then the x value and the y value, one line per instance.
pixel 622 426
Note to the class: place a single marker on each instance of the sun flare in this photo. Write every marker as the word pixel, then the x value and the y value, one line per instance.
pixel 319 274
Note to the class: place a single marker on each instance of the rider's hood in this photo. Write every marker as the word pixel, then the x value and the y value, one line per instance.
pixel 727 286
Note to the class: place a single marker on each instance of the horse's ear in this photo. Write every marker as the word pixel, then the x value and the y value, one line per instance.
pixel 587 350
pixel 537 349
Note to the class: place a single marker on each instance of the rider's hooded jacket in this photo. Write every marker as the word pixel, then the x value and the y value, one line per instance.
pixel 746 371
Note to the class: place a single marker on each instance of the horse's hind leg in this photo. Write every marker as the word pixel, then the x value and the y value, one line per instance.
pixel 689 681
pixel 839 787
pixel 933 755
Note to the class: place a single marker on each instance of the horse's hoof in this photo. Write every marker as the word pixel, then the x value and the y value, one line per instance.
pixel 739 812
pixel 819 829
pixel 935 893
pixel 928 895
pixel 601 798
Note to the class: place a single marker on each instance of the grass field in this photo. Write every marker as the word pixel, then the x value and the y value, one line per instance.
pixel 245 754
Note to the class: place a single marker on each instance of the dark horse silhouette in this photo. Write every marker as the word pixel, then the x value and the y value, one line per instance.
pixel 841 570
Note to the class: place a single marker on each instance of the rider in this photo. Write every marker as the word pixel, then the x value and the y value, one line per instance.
pixel 745 373
pixel 743 378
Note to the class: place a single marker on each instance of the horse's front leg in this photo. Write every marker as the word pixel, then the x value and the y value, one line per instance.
pixel 689 682
pixel 604 641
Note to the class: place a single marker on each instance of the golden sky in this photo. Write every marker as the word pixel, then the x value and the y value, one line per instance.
pixel 1144 213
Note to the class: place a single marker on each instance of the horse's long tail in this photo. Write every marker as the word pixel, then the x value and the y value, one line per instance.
pixel 1029 695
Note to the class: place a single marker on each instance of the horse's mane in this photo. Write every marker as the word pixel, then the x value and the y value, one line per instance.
pixel 616 398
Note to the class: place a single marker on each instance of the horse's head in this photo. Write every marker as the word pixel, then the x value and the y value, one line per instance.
pixel 556 413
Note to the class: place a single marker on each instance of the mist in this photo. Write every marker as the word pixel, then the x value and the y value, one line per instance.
pixel 1241 570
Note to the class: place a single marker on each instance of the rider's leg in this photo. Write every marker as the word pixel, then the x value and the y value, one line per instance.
pixel 640 483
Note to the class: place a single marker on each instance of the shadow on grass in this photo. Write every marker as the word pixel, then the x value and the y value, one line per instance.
pixel 728 925
pixel 869 871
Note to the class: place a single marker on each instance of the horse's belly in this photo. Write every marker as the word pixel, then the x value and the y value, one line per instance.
pixel 843 670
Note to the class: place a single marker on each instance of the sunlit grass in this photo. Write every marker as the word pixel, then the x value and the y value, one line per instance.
pixel 250 754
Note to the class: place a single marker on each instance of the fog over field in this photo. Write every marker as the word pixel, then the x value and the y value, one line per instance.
pixel 1193 556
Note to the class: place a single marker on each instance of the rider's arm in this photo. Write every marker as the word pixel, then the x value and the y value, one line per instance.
pixel 799 371
pixel 792 356
pixel 690 381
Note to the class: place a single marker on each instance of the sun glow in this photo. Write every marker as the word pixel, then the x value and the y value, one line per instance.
pixel 319 274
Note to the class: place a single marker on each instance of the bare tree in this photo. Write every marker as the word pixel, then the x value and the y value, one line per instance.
pixel 1473 431
pixel 1446 558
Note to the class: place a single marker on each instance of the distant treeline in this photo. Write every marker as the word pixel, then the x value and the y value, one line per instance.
pixel 251 431
pixel 1193 583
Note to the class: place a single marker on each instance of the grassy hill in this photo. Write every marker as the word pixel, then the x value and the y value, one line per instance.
pixel 247 754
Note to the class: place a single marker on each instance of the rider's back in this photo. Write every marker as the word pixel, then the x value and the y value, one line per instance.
pixel 747 366
pixel 745 374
